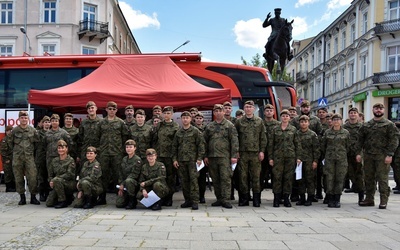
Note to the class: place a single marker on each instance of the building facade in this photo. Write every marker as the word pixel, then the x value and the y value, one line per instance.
pixel 355 61
pixel 55 27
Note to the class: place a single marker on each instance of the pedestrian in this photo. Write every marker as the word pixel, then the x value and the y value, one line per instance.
pixel 222 146
pixel 335 147
pixel 202 179
pixel 252 143
pixel 188 151
pixel 284 153
pixel 6 159
pixel 129 116
pixel 73 133
pixel 379 139
pixel 40 158
pixel 22 142
pixel 396 166
pixel 153 178
pixel 239 113
pixel 324 117
pixel 61 178
pixel 292 112
pixel 89 181
pixel 142 134
pixel 128 181
pixel 228 112
pixel 157 111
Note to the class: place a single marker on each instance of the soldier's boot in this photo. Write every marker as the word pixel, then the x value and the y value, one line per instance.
pixel 367 203
pixel 102 199
pixel 202 200
pixel 309 200
pixel 232 193
pixel 186 204
pixel 61 204
pixel 131 203
pixel 70 199
pixel 360 197
pixel 319 195
pixel 331 202
pixel 156 206
pixel 87 200
pixel 167 201
pixel 302 200
pixel 22 200
pixel 337 200
pixel 42 196
pixel 286 201
pixel 256 199
pixel 277 200
pixel 244 201
pixel 326 199
pixel 10 187
pixel 383 203
pixel 195 206
pixel 294 197
pixel 34 201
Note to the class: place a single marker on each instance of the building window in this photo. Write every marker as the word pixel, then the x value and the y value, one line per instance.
pixel 319 56
pixel 312 92
pixel 351 73
pixel 6 50
pixel 327 92
pixel 312 61
pixel 88 51
pixel 328 51
pixel 394 10
pixel 49 49
pixel 335 46
pixel 353 32
pixel 393 58
pixel 343 40
pixel 318 89
pixel 365 22
pixel 89 15
pixel 334 87
pixel 6 12
pixel 342 75
pixel 49 11
pixel 363 67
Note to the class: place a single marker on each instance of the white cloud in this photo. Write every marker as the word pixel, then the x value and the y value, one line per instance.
pixel 336 4
pixel 251 34
pixel 304 2
pixel 138 20
pixel 300 26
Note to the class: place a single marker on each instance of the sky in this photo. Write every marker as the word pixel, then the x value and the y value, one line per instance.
pixel 222 30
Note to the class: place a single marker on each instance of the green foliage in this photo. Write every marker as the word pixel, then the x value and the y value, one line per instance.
pixel 262 63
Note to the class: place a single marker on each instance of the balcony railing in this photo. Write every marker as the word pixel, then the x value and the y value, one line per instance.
pixel 386 77
pixel 92 29
pixel 301 77
pixel 387 26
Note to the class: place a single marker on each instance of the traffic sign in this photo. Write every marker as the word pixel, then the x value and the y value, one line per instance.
pixel 322 102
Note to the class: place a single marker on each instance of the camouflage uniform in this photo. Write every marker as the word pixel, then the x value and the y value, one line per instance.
pixel 129 177
pixel 154 178
pixel 396 168
pixel 143 137
pixel 89 181
pixel 378 138
pixel 222 144
pixel 315 124
pixel 22 143
pixel 50 143
pixel 62 174
pixel 73 148
pixel 88 136
pixel 202 179
pixel 40 161
pixel 187 148
pixel 266 169
pixel 252 141
pixel 6 159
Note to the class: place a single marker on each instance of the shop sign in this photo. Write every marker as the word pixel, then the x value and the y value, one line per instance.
pixel 386 92
pixel 360 97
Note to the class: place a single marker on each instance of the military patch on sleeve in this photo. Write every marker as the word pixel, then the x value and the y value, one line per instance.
pixel 163 167
pixel 139 162
pixel 95 166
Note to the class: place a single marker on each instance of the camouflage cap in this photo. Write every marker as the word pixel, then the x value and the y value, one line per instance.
pixel 337 116
pixel 353 109
pixel 218 106
pixel 186 113
pixel 61 143
pixel 379 105
pixel 140 112
pixel 68 115
pixel 91 149
pixel 151 151
pixel 323 108
pixel 9 127
pixel 54 117
pixel 22 113
pixel 329 115
pixel 227 104
pixel 199 114
pixel 156 117
pixel 239 112
pixel 250 102
pixel 285 112
pixel 157 107
pixel 305 103
pixel 304 118
pixel 130 142
pixel 292 108
pixel 45 119
pixel 90 104
pixel 194 109
pixel 268 106
pixel 129 107
pixel 112 104
pixel 168 108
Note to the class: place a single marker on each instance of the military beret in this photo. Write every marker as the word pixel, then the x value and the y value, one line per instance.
pixel 168 108
pixel 156 117
pixel 239 112
pixel 45 118
pixel 130 142
pixel 199 114
pixel 140 112
pixel 218 106
pixel 353 109
pixel 129 107
pixel 304 118
pixel 227 104
pixel 329 115
pixel 305 103
pixel 323 108
pixel 8 128
pixel 250 102
pixel 54 117
pixel 292 108
pixel 157 107
pixel 186 113
pixel 379 105
pixel 151 151
pixel 62 143
pixel 268 106
pixel 337 116
pixel 91 149
pixel 22 113
pixel 193 109
pixel 68 115
pixel 90 104
pixel 285 112
pixel 111 104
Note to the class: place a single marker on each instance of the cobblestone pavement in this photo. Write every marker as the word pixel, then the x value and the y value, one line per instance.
pixel 106 227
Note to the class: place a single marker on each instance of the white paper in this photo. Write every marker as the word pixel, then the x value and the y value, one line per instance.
pixel 299 171
pixel 234 166
pixel 150 200
pixel 199 167
pixel 323 162
pixel 118 186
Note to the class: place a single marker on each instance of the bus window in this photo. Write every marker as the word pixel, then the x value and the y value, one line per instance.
pixel 284 95
pixel 207 82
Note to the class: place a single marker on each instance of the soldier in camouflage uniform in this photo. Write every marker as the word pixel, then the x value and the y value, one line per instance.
pixel 292 112
pixel 73 133
pixel 222 145
pixel 51 139
pixel 199 121
pixel 22 142
pixel 89 183
pixel 6 159
pixel 396 166
pixel 202 180
pixel 379 138
pixel 128 181
pixel 239 113
pixel 320 176
pixel 355 169
pixel 188 150
pixel 252 143
pixel 165 132
pixel 335 147
pixel 61 178
pixel 157 111
pixel 228 112
pixel 142 134
pixel 153 178
pixel 310 154
pixel 40 158
pixel 112 133
pixel 129 116
pixel 283 150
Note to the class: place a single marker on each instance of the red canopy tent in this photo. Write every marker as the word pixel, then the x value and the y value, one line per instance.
pixel 140 81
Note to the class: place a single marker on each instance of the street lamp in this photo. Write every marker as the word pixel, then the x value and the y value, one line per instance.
pixel 183 44
pixel 23 30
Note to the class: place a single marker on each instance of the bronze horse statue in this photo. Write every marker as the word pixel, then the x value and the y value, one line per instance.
pixel 279 48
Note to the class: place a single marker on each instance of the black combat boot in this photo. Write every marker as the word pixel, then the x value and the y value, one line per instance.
pixel 156 206
pixel 256 199
pixel 70 199
pixel 232 193
pixel 10 187
pixel 61 204
pixel 244 201
pixel 337 200
pixel 309 200
pixel 131 203
pixel 167 201
pixel 186 204
pixel 277 200
pixel 331 202
pixel 195 206
pixel 360 197
pixel 42 196
pixel 34 201
pixel 302 200
pixel 326 199
pixel 87 200
pixel 102 199
pixel 22 200
pixel 286 201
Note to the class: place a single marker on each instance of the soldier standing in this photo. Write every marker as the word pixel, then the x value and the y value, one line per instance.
pixel 129 177
pixel 6 159
pixel 112 133
pixel 129 116
pixel 335 147
pixel 73 133
pixel 396 166
pixel 61 178
pixel 165 132
pixel 222 147
pixel 228 112
pixel 202 180
pixel 320 180
pixel 252 143
pixel 188 150
pixel 40 158
pixel 355 169
pixel 22 142
pixel 379 138
pixel 142 134
pixel 292 112
pixel 157 111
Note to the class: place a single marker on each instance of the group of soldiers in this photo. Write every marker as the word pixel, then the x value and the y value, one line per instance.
pixel 244 152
